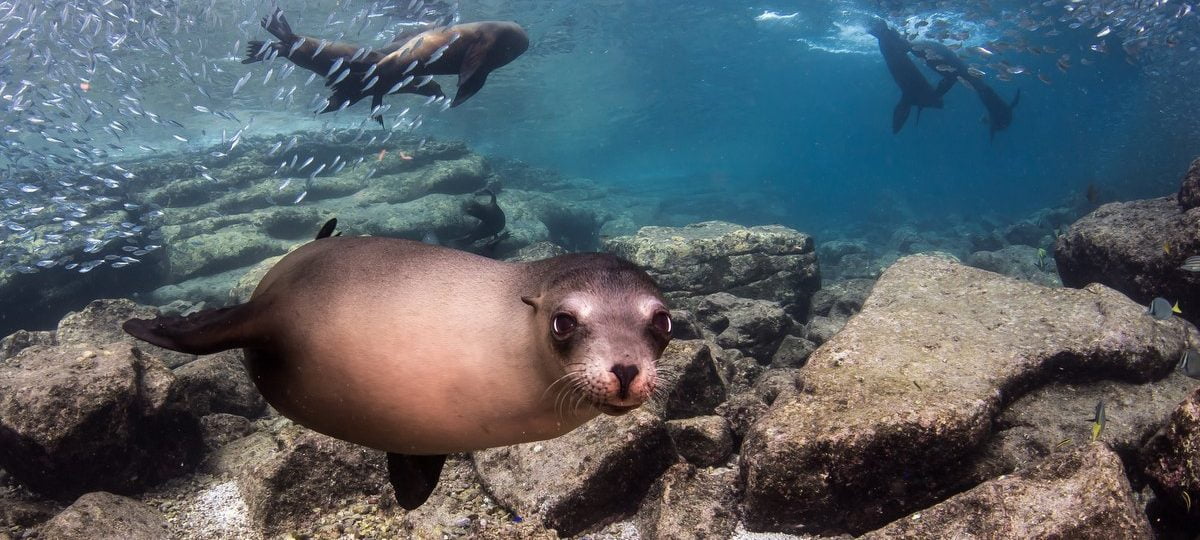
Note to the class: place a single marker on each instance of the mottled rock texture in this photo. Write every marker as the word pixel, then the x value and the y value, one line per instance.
pixel 105 516
pixel 1172 459
pixel 911 386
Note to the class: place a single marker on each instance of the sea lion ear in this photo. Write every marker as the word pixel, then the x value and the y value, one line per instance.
pixel 533 301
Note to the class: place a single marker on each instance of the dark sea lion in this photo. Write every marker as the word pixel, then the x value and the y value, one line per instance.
pixel 320 56
pixel 421 350
pixel 953 69
pixel 915 90
pixel 471 51
pixel 491 219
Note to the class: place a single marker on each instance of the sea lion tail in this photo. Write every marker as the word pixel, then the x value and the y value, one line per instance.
pixel 255 52
pixel 204 332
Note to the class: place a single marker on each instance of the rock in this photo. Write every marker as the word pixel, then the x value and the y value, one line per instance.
pixel 1054 417
pixel 241 291
pixel 1021 262
pixel 101 515
pixel 793 352
pixel 100 322
pixel 1078 494
pixel 913 384
pixel 221 429
pixel 218 383
pixel 536 252
pixel 766 263
pixel 742 411
pixel 841 299
pixel 1027 232
pixel 1189 192
pixel 832 251
pixel 684 325
pixel 821 328
pixel 692 381
pixel 1121 245
pixel 598 471
pixel 754 327
pixel 777 382
pixel 77 418
pixel 23 339
pixel 705 441
pixel 307 471
pixel 1172 459
pixel 688 503
pixel 224 248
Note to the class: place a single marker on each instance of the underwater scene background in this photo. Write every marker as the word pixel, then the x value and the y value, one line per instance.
pixel 945 324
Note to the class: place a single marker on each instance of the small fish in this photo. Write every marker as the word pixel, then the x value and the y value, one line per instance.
pixel 1098 421
pixel 1160 309
pixel 1187 501
pixel 382 154
pixel 309 161
pixel 410 67
pixel 372 82
pixel 1189 363
pixel 431 238
pixel 336 64
pixel 300 198
pixel 340 78
pixel 1192 264
pixel 437 54
pixel 1065 442
pixel 240 83
pixel 1167 248
pixel 1175 308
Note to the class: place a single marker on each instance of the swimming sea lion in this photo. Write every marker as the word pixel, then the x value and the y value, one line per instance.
pixel 953 69
pixel 421 350
pixel 915 90
pixel 491 220
pixel 320 56
pixel 470 51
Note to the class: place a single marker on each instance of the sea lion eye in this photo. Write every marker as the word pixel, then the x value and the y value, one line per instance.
pixel 563 325
pixel 662 322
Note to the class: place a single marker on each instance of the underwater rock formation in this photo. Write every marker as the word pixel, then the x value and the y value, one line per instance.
pixel 1018 261
pixel 82 417
pixel 754 327
pixel 1172 460
pixel 692 381
pixel 105 515
pixel 1082 493
pixel 704 441
pixel 569 488
pixel 911 386
pixel 688 503
pixel 1189 192
pixel 1137 248
pixel 767 262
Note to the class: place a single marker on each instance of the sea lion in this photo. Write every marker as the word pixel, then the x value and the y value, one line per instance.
pixel 320 56
pixel 953 69
pixel 491 221
pixel 422 350
pixel 915 90
pixel 471 51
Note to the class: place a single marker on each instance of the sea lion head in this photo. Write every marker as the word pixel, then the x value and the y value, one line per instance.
pixel 509 41
pixel 604 321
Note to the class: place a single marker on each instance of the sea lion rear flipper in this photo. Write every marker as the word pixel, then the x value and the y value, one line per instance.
pixel 204 332
pixel 277 26
pixel 255 51
pixel 414 477
pixel 900 115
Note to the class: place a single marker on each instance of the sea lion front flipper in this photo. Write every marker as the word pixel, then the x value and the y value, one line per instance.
pixel 327 229
pixel 945 85
pixel 900 115
pixel 471 75
pixel 414 477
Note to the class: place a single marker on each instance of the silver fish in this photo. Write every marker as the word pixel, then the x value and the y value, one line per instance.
pixel 240 83
pixel 1192 264
pixel 336 64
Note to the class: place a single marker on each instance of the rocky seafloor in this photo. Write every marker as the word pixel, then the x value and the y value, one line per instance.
pixel 927 384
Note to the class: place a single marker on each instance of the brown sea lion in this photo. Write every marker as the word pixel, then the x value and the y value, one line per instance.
pixel 320 56
pixel 470 51
pixel 421 350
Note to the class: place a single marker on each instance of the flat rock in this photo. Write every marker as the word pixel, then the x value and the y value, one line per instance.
pixel 303 471
pixel 244 288
pixel 1056 417
pixel 77 418
pixel 913 384
pixel 1189 192
pixel 841 299
pixel 691 379
pixel 793 352
pixel 218 383
pixel 754 327
pixel 704 441
pixel 1121 245
pixel 1172 458
pixel 596 472
pixel 1018 261
pixel 23 339
pixel 688 503
pixel 100 322
pixel 102 515
pixel 1077 494
pixel 768 262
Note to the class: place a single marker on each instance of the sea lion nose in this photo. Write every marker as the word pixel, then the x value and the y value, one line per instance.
pixel 625 374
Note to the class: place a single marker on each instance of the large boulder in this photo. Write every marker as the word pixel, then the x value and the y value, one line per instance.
pixel 100 322
pixel 77 418
pixel 1172 459
pixel 687 503
pixel 913 383
pixel 691 380
pixel 754 327
pixel 598 471
pixel 219 383
pixel 105 516
pixel 1137 248
pixel 1189 192
pixel 767 263
pixel 1082 493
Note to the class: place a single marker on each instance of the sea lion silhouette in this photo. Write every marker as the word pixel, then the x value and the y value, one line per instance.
pixel 953 69
pixel 915 90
